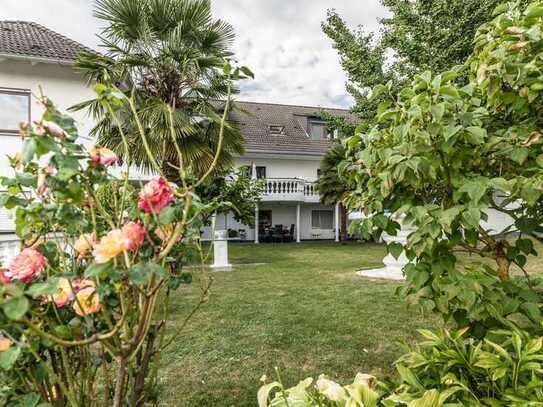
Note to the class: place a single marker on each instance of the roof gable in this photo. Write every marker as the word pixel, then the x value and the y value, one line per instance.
pixel 25 39
pixel 255 120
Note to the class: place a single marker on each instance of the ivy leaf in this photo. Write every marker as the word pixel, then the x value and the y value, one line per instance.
pixel 475 190
pixel 16 308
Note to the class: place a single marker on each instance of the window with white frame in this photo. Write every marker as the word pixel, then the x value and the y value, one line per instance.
pixel 260 171
pixel 14 109
pixel 322 219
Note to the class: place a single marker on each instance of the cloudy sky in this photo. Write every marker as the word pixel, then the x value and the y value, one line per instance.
pixel 280 40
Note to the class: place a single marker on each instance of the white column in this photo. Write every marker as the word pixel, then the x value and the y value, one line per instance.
pixel 298 208
pixel 213 225
pixel 336 217
pixel 256 224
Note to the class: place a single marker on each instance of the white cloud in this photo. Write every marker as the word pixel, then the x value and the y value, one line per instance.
pixel 280 40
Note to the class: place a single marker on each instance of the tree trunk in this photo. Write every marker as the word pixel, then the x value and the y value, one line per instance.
pixel 344 216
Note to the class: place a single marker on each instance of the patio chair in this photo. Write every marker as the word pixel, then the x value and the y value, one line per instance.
pixel 277 234
pixel 289 236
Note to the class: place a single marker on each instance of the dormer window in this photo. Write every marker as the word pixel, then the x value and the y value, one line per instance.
pixel 276 129
pixel 318 131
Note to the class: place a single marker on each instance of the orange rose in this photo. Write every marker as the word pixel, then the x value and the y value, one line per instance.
pixel 86 302
pixel 5 343
pixel 111 245
pixel 64 295
pixel 84 244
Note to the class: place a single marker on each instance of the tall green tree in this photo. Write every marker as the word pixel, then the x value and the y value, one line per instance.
pixel 419 35
pixel 331 188
pixel 169 52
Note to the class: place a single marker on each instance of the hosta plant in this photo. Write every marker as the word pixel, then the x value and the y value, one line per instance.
pixel 450 368
pixel 322 392
pixel 85 303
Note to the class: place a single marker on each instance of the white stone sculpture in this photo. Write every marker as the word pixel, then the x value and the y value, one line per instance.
pixel 393 267
pixel 220 251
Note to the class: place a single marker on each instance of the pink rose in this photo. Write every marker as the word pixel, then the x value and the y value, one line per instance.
pixel 134 232
pixel 104 156
pixel 3 278
pixel 26 265
pixel 54 129
pixel 155 195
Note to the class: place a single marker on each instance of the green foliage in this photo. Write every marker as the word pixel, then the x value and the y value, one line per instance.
pixel 448 369
pixel 332 188
pixel 169 53
pixel 445 152
pixel 234 193
pixel 421 35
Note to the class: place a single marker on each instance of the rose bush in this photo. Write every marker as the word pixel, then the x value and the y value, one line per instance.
pixel 84 305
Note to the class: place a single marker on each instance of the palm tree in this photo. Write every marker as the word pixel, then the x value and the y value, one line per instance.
pixel 332 189
pixel 169 52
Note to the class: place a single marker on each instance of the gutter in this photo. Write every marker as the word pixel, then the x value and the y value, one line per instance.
pixel 37 60
pixel 275 152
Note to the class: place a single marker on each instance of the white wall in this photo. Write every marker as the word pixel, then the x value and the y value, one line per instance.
pixel 282 214
pixel 60 83
pixel 288 167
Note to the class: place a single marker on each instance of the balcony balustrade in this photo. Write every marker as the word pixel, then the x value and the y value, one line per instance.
pixel 289 190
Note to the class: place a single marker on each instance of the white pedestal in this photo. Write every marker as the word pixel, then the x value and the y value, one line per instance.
pixel 220 252
pixel 393 267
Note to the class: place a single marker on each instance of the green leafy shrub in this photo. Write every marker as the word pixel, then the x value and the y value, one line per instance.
pixel 450 369
pixel 442 157
pixel 84 306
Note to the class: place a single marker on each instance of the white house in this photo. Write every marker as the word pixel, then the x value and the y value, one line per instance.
pixel 34 59
pixel 284 144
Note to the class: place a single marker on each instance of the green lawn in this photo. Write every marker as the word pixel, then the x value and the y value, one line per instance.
pixel 298 307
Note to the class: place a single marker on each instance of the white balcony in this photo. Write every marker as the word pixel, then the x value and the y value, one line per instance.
pixel 289 190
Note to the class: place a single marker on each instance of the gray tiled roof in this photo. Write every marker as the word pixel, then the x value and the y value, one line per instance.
pixel 29 39
pixel 255 118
